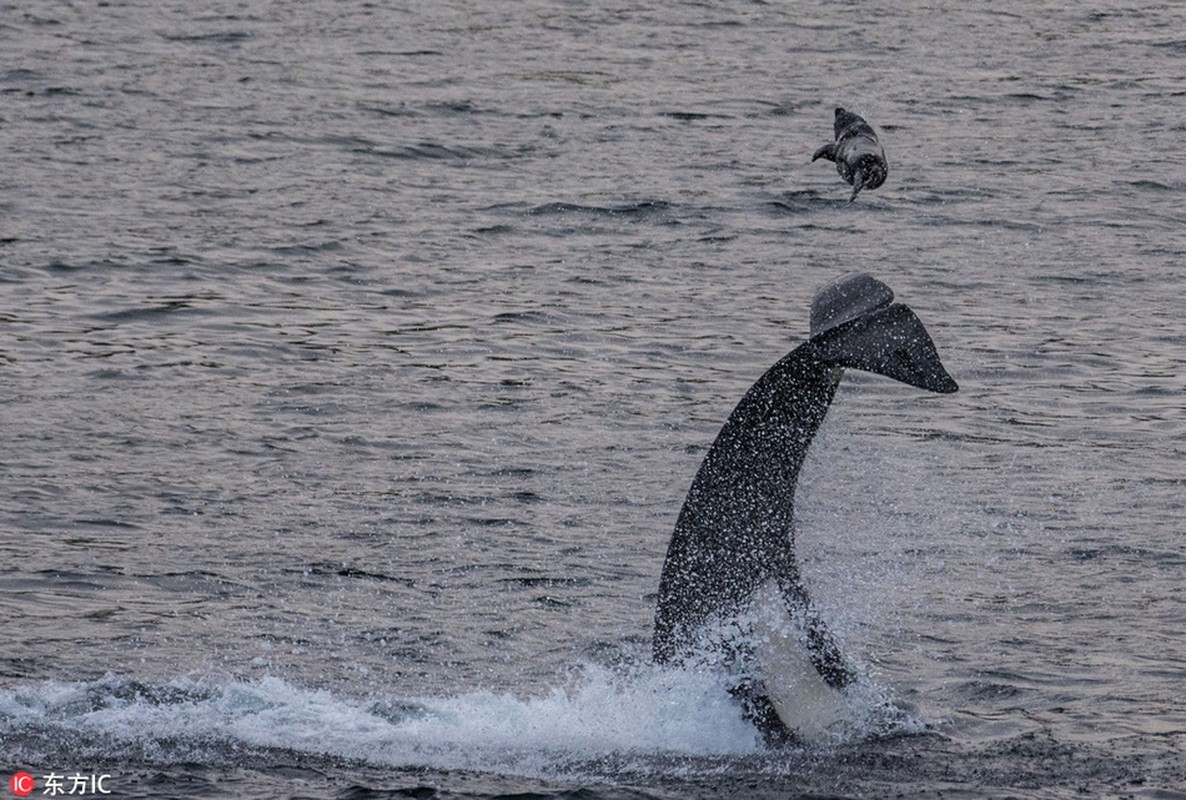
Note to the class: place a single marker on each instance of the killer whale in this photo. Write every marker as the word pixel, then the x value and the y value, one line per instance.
pixel 730 564
pixel 859 156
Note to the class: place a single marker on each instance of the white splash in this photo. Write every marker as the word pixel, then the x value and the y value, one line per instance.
pixel 638 717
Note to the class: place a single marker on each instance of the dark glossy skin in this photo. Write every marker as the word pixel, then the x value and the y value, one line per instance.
pixel 736 528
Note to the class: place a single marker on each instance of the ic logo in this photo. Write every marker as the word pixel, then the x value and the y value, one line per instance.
pixel 21 784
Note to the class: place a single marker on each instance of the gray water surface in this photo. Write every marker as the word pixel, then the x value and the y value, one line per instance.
pixel 356 359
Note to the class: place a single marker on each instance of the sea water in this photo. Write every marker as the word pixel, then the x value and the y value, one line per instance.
pixel 356 358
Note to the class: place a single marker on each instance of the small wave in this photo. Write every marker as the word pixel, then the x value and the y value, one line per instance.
pixel 439 151
pixel 1156 186
pixel 145 312
pixel 1176 45
pixel 692 116
pixel 640 209
pixel 804 200
pixel 215 37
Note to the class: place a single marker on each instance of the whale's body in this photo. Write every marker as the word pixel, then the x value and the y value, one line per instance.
pixel 859 156
pixel 730 590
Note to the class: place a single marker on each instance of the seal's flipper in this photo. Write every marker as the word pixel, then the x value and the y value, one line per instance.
pixel 868 173
pixel 861 178
pixel 828 151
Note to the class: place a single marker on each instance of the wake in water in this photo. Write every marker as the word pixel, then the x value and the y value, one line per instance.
pixel 633 720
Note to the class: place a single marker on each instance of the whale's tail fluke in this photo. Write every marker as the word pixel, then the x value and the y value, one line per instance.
pixel 858 325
